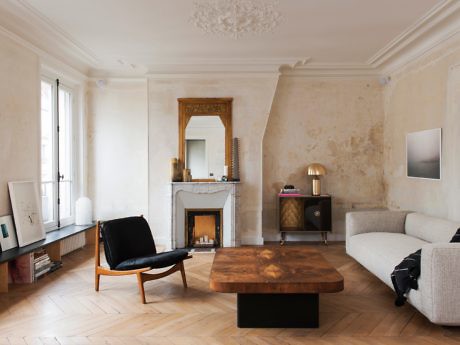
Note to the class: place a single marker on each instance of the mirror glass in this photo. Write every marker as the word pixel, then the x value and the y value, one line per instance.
pixel 205 147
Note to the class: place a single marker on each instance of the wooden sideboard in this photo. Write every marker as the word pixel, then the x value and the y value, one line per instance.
pixel 305 213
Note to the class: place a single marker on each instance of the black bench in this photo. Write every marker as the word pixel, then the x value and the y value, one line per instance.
pixel 52 244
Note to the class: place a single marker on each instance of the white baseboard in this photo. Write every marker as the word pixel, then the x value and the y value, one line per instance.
pixel 299 237
pixel 252 240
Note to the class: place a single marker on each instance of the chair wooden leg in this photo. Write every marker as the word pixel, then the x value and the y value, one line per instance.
pixel 140 283
pixel 182 271
pixel 96 281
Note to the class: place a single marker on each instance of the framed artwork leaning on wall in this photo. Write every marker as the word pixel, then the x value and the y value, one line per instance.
pixel 27 212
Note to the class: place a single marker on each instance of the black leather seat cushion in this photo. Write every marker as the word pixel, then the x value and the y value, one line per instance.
pixel 159 260
pixel 126 238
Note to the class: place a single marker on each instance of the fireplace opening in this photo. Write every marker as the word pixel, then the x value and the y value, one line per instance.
pixel 203 228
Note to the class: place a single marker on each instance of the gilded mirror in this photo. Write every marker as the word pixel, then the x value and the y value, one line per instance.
pixel 205 137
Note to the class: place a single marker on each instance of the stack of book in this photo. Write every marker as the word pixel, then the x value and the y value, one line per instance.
pixel 30 267
pixel 291 191
pixel 42 264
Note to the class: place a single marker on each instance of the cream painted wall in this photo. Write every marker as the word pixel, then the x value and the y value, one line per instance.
pixel 422 96
pixel 19 117
pixel 118 148
pixel 252 100
pixel 336 122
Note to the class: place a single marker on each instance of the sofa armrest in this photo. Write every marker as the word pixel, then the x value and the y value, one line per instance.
pixel 439 282
pixel 360 222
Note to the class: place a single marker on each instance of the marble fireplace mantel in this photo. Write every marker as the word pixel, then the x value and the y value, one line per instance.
pixel 204 195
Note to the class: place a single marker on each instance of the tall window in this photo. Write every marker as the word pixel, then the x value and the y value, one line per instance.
pixel 56 154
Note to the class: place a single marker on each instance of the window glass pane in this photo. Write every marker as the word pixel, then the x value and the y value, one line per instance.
pixel 48 174
pixel 65 189
pixel 65 153
pixel 47 132
pixel 48 202
pixel 65 137
pixel 56 154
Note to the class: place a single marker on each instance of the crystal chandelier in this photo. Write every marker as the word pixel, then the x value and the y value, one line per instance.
pixel 236 18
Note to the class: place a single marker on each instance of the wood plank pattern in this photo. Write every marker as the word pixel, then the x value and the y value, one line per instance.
pixel 273 269
pixel 63 308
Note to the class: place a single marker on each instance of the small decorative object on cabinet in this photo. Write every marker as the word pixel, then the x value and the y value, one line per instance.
pixel 290 190
pixel 316 170
pixel 305 213
pixel 83 211
pixel 236 159
pixel 187 176
pixel 176 175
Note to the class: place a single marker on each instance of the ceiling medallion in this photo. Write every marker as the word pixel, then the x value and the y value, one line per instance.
pixel 236 18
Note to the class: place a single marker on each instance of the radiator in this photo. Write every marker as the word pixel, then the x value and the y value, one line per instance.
pixel 72 243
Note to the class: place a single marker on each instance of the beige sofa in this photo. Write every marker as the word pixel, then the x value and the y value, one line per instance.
pixel 379 240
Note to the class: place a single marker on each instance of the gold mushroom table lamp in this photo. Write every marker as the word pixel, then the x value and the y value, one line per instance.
pixel 316 170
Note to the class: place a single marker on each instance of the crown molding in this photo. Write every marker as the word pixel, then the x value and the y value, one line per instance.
pixel 174 68
pixel 48 63
pixel 332 70
pixel 22 20
pixel 216 75
pixel 116 83
pixel 213 66
pixel 436 27
pixel 24 24
pixel 412 32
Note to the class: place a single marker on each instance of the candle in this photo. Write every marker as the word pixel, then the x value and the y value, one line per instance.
pixel 225 170
pixel 205 238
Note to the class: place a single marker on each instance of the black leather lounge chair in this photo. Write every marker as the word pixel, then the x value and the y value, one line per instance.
pixel 130 249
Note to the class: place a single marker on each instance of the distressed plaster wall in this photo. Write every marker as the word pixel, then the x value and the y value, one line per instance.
pixel 336 122
pixel 19 117
pixel 252 99
pixel 425 95
pixel 117 116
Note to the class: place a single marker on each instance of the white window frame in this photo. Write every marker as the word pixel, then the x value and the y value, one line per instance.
pixel 57 223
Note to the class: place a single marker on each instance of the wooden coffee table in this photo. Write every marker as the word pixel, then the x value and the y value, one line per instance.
pixel 276 286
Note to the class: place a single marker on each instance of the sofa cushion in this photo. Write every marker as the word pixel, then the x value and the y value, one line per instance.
pixel 380 252
pixel 430 229
pixel 160 260
pixel 358 222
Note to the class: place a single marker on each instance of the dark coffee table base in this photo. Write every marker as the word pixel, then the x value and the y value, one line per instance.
pixel 277 310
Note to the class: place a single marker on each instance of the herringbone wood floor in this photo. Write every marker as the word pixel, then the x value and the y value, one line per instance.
pixel 63 308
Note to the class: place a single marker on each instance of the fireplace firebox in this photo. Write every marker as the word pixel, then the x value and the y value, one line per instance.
pixel 203 228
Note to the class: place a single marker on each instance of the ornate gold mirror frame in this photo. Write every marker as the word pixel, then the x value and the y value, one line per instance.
pixel 221 107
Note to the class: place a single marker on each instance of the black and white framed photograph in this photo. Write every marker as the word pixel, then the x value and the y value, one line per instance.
pixel 424 154
pixel 8 238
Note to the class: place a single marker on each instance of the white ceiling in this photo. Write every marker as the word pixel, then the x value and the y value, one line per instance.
pixel 143 34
